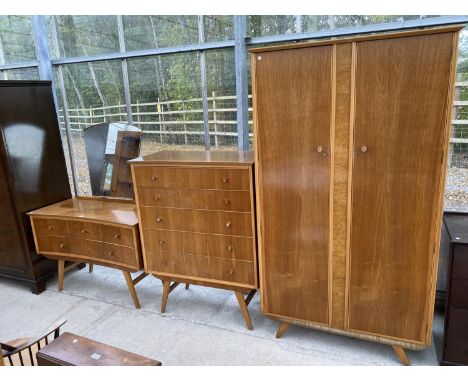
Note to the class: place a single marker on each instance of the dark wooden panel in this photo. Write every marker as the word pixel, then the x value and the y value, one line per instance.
pixel 459 293
pixel 456 350
pixel 460 261
pixel 457 322
pixel 394 202
pixel 293 106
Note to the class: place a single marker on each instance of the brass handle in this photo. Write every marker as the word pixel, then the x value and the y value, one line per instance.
pixel 161 242
pixel 62 245
pixel 50 228
pixel 83 231
pixel 159 219
pixel 231 272
pixel 227 201
pixel 225 179
pixel 116 236
pixel 153 178
pixel 319 149
pixel 156 197
pixel 110 253
pixel 229 248
pixel 228 224
pixel 364 148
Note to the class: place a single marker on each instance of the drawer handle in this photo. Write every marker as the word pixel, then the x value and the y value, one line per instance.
pixel 228 224
pixel 363 149
pixel 229 248
pixel 161 242
pixel 226 201
pixel 83 231
pixel 159 219
pixel 231 272
pixel 154 178
pixel 116 236
pixel 50 228
pixel 110 253
pixel 62 245
pixel 156 197
pixel 225 179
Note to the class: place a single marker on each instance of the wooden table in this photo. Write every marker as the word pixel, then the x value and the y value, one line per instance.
pixel 73 350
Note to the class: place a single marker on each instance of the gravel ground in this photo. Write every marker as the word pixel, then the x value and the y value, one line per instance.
pixel 456 191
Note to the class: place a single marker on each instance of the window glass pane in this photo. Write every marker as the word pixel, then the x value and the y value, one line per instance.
pixel 319 23
pixel 456 192
pixel 85 35
pixel 94 94
pixel 221 86
pixel 219 28
pixel 147 32
pixel 16 40
pixel 166 101
pixel 270 25
pixel 20 74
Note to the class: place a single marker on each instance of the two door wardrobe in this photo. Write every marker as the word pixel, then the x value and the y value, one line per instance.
pixel 351 141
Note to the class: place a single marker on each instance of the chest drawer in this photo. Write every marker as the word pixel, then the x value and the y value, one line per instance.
pixel 61 244
pixel 117 235
pixel 217 222
pixel 195 199
pixel 116 253
pixel 84 230
pixel 44 226
pixel 229 247
pixel 211 268
pixel 192 177
pixel 459 293
pixel 460 262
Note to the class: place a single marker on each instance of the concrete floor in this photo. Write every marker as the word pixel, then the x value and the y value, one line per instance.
pixel 202 326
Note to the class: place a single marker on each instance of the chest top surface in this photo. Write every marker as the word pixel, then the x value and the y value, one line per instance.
pixel 102 210
pixel 457 226
pixel 197 158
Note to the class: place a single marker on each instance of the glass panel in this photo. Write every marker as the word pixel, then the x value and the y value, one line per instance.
pixel 166 101
pixel 319 23
pixel 221 86
pixel 16 40
pixel 456 192
pixel 20 74
pixel 147 32
pixel 85 35
pixel 270 25
pixel 219 28
pixel 94 94
pixel 108 148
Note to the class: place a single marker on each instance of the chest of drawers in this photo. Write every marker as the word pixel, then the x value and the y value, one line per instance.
pixel 455 347
pixel 197 220
pixel 92 230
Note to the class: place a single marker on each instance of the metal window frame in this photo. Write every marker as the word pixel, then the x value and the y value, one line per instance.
pixel 241 42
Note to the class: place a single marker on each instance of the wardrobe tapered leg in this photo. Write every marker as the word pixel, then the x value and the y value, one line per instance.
pixel 91 266
pixel 166 290
pixel 283 327
pixel 61 271
pixel 400 352
pixel 131 288
pixel 244 310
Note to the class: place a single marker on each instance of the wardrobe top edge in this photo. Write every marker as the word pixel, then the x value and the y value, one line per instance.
pixel 358 38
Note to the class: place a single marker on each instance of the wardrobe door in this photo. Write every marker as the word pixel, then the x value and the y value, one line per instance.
pixel 401 102
pixel 293 106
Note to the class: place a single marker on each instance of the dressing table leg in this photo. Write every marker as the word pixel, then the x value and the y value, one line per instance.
pixel 131 288
pixel 91 268
pixel 283 327
pixel 400 352
pixel 61 271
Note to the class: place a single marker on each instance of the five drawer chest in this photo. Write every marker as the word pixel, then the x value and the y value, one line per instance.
pixel 197 220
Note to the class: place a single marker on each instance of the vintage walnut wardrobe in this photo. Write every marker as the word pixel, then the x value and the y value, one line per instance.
pixel 351 141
